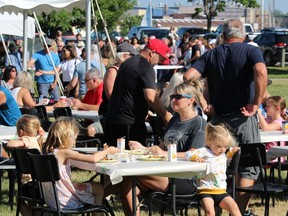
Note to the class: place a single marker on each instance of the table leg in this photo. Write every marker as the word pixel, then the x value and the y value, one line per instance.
pixel 134 196
pixel 173 196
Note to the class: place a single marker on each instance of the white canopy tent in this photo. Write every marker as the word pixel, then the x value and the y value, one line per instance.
pixel 13 25
pixel 38 6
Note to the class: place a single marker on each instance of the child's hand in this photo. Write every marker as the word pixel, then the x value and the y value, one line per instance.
pixel 196 158
pixel 41 131
pixel 235 149
pixel 80 186
pixel 134 145
pixel 113 150
pixel 156 150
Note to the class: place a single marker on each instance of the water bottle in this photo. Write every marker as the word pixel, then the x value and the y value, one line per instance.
pixel 41 100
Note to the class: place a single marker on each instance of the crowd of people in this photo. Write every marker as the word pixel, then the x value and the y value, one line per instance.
pixel 210 106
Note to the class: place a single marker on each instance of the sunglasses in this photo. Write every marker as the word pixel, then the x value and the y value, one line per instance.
pixel 179 96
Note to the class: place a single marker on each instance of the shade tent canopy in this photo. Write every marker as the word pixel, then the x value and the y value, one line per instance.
pixel 39 6
pixel 12 24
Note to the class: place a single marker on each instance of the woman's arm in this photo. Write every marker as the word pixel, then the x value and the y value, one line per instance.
pixel 109 80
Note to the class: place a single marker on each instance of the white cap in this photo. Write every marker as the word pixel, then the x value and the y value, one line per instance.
pixel 212 41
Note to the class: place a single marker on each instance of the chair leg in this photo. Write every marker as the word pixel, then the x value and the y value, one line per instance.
pixel 11 176
pixel 106 203
pixel 266 213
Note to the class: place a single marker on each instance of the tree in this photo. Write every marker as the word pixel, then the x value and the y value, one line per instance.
pixel 111 11
pixel 128 22
pixel 212 7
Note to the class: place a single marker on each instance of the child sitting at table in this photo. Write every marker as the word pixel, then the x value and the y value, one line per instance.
pixel 60 140
pixel 211 188
pixel 275 108
pixel 31 135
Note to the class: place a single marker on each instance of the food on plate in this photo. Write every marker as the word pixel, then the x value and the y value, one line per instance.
pixel 152 158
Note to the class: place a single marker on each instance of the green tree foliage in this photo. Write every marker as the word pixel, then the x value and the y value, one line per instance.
pixel 249 3
pixel 212 7
pixel 111 11
pixel 128 21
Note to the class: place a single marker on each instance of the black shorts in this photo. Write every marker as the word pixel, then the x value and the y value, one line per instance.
pixel 183 186
pixel 216 197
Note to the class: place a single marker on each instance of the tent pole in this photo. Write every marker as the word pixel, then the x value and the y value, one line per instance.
pixel 25 40
pixel 105 27
pixel 5 48
pixel 88 34
pixel 44 41
pixel 97 39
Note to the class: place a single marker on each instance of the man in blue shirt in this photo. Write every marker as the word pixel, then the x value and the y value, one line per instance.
pixel 45 74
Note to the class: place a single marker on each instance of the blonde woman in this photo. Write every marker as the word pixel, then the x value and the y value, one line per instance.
pixel 21 90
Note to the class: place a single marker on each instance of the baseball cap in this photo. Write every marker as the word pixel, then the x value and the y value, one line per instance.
pixel 48 41
pixel 158 46
pixel 126 47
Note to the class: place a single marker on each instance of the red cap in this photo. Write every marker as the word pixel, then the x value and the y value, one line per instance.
pixel 158 46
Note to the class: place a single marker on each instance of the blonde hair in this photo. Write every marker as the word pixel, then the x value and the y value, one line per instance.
pixel 23 79
pixel 219 134
pixel 30 125
pixel 60 133
pixel 192 87
pixel 279 101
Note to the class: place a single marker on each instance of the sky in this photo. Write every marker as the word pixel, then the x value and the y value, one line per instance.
pixel 279 4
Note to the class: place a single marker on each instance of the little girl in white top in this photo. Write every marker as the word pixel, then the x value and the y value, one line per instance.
pixel 211 187
pixel 60 140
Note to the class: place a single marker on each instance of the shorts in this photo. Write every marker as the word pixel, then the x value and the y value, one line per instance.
pixel 216 197
pixel 183 186
pixel 246 130
pixel 97 126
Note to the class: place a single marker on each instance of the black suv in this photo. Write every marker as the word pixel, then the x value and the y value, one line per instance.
pixel 271 44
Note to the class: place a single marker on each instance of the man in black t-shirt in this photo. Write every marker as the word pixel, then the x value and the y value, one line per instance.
pixel 237 79
pixel 133 93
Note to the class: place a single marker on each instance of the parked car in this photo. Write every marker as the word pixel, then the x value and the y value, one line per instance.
pixel 274 29
pixel 134 29
pixel 159 33
pixel 194 31
pixel 271 44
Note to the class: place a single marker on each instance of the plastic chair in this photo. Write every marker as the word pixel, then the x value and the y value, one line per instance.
pixel 22 165
pixel 62 111
pixel 255 155
pixel 45 169
pixel 28 111
pixel 8 165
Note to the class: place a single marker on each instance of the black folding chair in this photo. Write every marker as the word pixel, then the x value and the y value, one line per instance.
pixel 44 168
pixel 20 156
pixel 255 155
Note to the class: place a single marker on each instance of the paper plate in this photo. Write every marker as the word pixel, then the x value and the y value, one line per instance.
pixel 108 161
pixel 138 152
pixel 152 158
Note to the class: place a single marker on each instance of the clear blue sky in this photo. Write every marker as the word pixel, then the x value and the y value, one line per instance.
pixel 279 4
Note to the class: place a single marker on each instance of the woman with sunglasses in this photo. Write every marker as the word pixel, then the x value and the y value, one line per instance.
pixel 8 76
pixel 187 129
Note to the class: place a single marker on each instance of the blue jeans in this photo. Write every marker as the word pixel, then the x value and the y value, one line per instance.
pixel 44 90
